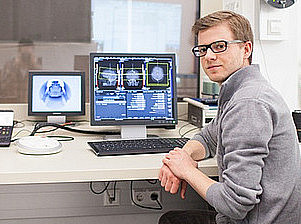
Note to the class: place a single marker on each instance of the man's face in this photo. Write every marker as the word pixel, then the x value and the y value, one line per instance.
pixel 219 66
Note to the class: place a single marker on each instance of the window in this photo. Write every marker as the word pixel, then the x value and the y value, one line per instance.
pixel 59 35
pixel 136 26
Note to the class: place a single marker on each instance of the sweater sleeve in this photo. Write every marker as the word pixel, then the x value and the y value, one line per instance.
pixel 207 136
pixel 246 130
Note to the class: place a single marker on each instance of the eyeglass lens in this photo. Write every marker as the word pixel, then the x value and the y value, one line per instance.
pixel 216 47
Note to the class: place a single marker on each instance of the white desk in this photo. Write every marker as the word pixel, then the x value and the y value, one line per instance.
pixel 76 163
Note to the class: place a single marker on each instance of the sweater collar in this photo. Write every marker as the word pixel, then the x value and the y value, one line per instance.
pixel 236 80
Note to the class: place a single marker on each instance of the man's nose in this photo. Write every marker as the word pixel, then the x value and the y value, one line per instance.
pixel 210 55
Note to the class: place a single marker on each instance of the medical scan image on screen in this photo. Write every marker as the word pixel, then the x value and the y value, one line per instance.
pixel 56 93
pixel 133 88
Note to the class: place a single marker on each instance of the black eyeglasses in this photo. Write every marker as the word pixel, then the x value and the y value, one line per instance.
pixel 216 47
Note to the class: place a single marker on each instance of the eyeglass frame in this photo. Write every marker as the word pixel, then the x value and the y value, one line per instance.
pixel 209 46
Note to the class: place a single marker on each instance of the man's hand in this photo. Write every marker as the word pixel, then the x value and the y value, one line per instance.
pixel 179 166
pixel 170 182
pixel 179 162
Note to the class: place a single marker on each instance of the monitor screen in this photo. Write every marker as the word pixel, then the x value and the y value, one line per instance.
pixel 133 89
pixel 56 93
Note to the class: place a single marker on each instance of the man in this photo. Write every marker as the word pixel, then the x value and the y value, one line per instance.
pixel 252 136
pixel 14 74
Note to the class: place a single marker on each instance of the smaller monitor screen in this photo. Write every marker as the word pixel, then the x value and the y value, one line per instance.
pixel 56 93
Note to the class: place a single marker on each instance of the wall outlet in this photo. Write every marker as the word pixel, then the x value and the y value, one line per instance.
pixel 108 199
pixel 143 196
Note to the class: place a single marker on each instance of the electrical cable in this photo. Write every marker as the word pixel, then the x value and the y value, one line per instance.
pixel 54 129
pixel 114 192
pixel 42 125
pixel 100 192
pixel 182 128
pixel 13 137
pixel 62 138
pixel 142 206
pixel 152 181
pixel 182 136
pixel 47 131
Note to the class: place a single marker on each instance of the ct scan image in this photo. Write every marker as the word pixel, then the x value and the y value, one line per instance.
pixel 55 93
pixel 157 75
pixel 133 74
pixel 108 74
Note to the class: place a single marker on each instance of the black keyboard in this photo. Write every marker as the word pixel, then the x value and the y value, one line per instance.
pixel 136 146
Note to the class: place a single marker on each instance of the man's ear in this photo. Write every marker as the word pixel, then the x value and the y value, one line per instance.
pixel 248 47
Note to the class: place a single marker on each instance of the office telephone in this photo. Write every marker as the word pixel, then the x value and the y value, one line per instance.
pixel 6 127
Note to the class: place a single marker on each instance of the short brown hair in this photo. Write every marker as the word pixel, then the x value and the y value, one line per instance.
pixel 238 24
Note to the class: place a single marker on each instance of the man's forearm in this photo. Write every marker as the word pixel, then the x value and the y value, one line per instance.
pixel 199 182
pixel 195 149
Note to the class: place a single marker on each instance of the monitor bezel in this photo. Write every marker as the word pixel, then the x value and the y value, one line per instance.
pixel 147 122
pixel 56 73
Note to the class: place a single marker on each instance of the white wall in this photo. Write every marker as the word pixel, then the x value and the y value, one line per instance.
pixel 299 52
pixel 278 59
pixel 208 6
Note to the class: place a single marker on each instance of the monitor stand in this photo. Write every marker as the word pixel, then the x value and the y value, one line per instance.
pixel 56 119
pixel 133 131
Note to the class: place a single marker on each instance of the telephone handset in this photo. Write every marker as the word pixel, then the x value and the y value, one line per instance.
pixel 6 127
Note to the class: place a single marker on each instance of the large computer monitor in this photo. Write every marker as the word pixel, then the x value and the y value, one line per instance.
pixel 56 94
pixel 133 91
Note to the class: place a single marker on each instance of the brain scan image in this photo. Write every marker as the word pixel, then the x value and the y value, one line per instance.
pixel 132 74
pixel 157 74
pixel 55 93
pixel 132 78
pixel 109 77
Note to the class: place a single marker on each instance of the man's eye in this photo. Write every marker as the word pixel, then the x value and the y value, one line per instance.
pixel 219 46
pixel 202 49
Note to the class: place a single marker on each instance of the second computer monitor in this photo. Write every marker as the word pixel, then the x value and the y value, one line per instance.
pixel 133 90
pixel 56 94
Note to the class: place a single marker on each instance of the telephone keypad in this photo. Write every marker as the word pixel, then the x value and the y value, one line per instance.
pixel 5 135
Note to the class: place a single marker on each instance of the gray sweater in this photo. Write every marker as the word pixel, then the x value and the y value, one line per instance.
pixel 258 156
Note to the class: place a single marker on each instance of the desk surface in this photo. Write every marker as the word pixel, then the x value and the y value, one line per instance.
pixel 77 163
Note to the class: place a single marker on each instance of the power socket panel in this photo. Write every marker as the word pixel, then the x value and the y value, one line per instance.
pixel 142 196
pixel 108 200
